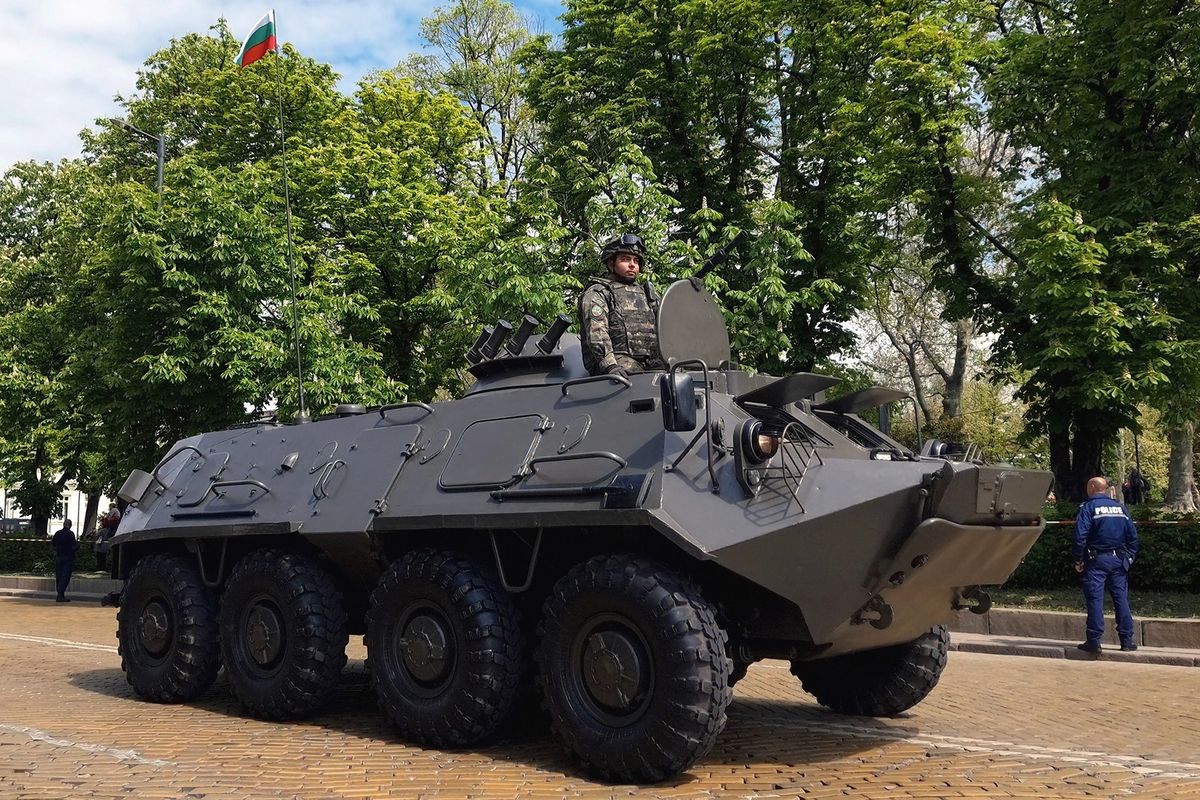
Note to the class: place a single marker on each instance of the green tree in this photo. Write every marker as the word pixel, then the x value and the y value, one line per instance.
pixel 475 45
pixel 1091 346
pixel 1101 96
pixel 47 437
pixel 194 302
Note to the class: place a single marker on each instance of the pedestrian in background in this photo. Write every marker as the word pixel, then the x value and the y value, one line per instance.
pixel 107 527
pixel 65 544
pixel 1104 549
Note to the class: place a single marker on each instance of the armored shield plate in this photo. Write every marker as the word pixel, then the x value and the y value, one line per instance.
pixel 788 389
pixel 861 400
pixel 691 326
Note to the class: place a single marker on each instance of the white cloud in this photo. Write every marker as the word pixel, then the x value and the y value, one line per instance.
pixel 63 61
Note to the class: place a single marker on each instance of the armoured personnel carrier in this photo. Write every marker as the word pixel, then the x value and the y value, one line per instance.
pixel 631 545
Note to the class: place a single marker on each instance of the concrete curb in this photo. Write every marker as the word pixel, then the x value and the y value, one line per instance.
pixel 78 589
pixel 1045 648
pixel 1068 626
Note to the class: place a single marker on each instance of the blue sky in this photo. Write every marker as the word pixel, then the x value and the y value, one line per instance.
pixel 63 61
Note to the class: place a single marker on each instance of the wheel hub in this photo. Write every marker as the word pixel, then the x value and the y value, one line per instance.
pixel 424 648
pixel 264 634
pixel 155 626
pixel 616 671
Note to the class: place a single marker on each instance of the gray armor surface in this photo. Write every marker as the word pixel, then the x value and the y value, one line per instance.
pixel 629 546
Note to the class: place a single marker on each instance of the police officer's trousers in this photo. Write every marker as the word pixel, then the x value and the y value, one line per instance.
pixel 1107 571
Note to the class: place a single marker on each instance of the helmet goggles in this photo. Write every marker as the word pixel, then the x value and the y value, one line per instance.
pixel 625 243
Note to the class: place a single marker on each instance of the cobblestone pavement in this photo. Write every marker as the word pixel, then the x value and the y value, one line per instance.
pixel 996 726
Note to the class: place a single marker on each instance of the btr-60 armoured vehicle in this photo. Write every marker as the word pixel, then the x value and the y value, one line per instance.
pixel 630 545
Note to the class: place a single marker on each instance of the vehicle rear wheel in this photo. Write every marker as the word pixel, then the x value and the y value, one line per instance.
pixel 633 668
pixel 445 647
pixel 283 634
pixel 878 683
pixel 167 630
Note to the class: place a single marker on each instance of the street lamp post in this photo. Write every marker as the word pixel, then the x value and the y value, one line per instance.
pixel 160 141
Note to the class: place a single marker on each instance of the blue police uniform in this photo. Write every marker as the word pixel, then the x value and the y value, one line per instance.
pixel 1106 542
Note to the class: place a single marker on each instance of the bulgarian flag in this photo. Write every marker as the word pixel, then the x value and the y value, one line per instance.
pixel 260 41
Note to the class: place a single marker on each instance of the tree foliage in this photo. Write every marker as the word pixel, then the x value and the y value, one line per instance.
pixel 1018 175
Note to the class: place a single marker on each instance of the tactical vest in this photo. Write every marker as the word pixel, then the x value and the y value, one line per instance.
pixel 636 338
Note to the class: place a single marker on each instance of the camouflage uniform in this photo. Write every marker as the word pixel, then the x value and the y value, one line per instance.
pixel 618 326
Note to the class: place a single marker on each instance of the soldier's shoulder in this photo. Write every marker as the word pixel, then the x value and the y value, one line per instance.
pixel 598 282
pixel 597 288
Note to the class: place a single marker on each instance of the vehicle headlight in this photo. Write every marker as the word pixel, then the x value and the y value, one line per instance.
pixel 758 444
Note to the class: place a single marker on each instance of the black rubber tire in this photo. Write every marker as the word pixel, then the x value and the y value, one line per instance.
pixel 475 693
pixel 302 601
pixel 682 692
pixel 878 683
pixel 181 663
pixel 740 668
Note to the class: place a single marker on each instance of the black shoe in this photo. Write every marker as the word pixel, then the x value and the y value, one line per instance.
pixel 1129 648
pixel 1090 647
pixel 62 599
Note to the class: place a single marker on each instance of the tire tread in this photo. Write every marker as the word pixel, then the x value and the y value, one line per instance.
pixel 492 652
pixel 695 713
pixel 878 683
pixel 196 660
pixel 321 630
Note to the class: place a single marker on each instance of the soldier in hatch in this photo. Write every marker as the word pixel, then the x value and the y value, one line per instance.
pixel 617 316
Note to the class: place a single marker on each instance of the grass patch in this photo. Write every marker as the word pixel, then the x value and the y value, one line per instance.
pixel 1143 604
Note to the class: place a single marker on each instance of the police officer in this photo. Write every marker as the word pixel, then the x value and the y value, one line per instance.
pixel 1106 543
pixel 617 316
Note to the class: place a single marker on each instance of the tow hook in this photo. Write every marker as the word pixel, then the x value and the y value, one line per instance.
pixel 982 601
pixel 874 606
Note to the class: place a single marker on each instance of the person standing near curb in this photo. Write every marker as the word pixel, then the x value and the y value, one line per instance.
pixel 1105 546
pixel 65 544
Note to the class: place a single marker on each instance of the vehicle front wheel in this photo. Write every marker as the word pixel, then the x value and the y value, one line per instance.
pixel 445 647
pixel 633 668
pixel 167 630
pixel 878 683
pixel 283 634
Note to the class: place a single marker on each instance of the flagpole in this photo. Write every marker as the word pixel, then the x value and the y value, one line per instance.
pixel 302 415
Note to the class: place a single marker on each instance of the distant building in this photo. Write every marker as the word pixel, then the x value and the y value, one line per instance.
pixel 13 518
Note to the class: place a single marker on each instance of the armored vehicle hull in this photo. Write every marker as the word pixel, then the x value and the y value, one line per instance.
pixel 629 544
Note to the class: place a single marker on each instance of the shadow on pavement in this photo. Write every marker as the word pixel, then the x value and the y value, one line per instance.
pixel 760 730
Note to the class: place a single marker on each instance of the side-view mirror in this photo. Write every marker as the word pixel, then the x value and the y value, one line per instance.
pixel 678 401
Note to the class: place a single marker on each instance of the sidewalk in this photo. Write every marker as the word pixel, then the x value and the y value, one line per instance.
pixel 1055 634
pixel 81 588
pixel 1054 648
pixel 1001 631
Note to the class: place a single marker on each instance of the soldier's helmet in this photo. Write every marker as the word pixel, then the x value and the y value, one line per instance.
pixel 625 243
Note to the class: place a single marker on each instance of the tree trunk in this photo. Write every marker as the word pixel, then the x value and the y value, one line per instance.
pixel 1087 450
pixel 89 515
pixel 952 397
pixel 40 524
pixel 1181 477
pixel 1122 469
pixel 1060 460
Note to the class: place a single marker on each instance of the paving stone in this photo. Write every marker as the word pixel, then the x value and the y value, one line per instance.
pixel 995 726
